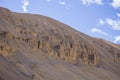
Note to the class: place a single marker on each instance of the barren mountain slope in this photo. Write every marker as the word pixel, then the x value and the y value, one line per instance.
pixel 35 47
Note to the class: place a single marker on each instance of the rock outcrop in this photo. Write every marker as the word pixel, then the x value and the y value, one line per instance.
pixel 27 41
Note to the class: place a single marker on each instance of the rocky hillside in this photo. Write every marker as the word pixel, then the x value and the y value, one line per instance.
pixel 35 47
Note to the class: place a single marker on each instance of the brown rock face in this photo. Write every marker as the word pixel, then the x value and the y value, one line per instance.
pixel 41 48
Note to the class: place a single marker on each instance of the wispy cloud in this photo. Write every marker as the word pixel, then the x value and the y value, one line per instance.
pixel 25 5
pixel 117 39
pixel 114 24
pixel 115 4
pixel 62 3
pixel 95 30
pixel 101 22
pixel 118 14
pixel 88 2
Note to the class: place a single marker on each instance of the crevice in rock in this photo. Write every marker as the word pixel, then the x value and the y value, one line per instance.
pixel 3 34
pixel 39 44
pixel 91 58
pixel 1 48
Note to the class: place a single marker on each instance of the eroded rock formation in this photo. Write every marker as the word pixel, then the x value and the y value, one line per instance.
pixel 27 41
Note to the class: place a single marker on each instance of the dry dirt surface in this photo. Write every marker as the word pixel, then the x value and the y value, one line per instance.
pixel 36 47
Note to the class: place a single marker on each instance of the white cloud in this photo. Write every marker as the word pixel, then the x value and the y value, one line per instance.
pixel 62 3
pixel 99 31
pixel 115 24
pixel 117 39
pixel 25 5
pixel 115 4
pixel 118 14
pixel 101 22
pixel 88 2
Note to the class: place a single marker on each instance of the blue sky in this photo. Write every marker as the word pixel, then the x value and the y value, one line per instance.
pixel 97 18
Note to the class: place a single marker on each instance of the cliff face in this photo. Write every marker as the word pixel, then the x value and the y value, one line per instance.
pixel 40 48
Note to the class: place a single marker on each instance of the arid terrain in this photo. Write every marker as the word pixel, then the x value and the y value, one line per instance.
pixel 36 47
